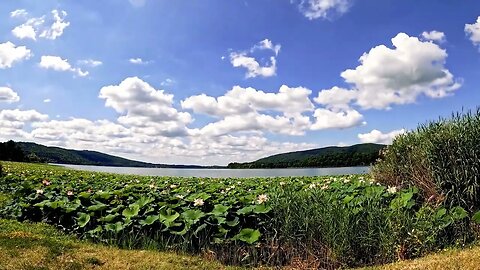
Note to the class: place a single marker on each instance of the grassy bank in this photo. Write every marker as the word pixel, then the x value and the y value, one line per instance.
pixel 40 246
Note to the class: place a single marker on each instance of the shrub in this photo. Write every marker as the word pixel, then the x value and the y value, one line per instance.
pixel 441 158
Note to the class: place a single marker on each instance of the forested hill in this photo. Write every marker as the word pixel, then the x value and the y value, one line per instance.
pixel 334 156
pixel 41 153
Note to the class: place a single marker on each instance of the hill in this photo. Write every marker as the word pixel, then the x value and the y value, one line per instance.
pixel 84 157
pixel 333 156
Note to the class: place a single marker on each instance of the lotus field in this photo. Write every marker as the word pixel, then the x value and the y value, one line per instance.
pixel 325 221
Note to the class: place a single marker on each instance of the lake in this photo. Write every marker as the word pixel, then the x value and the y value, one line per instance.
pixel 223 173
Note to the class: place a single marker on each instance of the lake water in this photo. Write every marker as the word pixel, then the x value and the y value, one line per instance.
pixel 223 173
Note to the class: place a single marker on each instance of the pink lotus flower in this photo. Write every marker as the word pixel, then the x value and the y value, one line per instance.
pixel 70 193
pixel 46 182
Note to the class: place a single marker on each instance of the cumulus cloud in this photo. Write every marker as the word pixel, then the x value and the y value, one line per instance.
pixel 254 68
pixel 8 95
pixel 28 29
pixel 243 100
pixel 13 122
pixel 376 136
pixel 22 116
pixel 58 64
pixel 144 107
pixel 434 36
pixel 400 75
pixel 36 26
pixel 10 54
pixel 336 98
pixel 245 109
pixel 323 9
pixel 473 32
pixel 337 119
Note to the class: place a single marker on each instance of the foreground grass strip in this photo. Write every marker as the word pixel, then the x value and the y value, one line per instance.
pixel 39 246
pixel 465 259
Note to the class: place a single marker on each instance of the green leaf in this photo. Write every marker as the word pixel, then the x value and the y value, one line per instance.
pixel 131 211
pixel 83 219
pixel 42 204
pixel 249 236
pixel 192 216
pixel 115 227
pixel 458 213
pixel 246 210
pixel 168 217
pixel 108 218
pixel 149 220
pixel 143 201
pixel 97 207
pixel 261 209
pixel 220 210
pixel 476 217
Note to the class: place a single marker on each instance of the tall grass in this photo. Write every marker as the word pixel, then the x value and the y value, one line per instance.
pixel 441 158
pixel 357 226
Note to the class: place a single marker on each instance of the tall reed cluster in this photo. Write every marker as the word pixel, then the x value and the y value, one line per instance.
pixel 441 158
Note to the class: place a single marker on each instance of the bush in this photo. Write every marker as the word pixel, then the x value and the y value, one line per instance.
pixel 441 158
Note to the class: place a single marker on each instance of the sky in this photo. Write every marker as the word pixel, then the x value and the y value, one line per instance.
pixel 211 82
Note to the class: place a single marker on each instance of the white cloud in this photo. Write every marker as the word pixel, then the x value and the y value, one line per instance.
pixel 25 31
pixel 58 64
pixel 18 13
pixel 36 26
pixel 243 100
pixel 145 108
pixel 254 68
pixel 57 27
pixel 338 119
pixel 434 36
pixel 376 136
pixel 90 63
pixel 22 116
pixel 315 9
pixel 246 109
pixel 47 100
pixel 473 32
pixel 138 61
pixel 8 95
pixel 395 76
pixel 336 97
pixel 9 54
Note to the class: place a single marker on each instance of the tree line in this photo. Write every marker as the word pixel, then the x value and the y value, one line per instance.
pixel 10 151
pixel 348 159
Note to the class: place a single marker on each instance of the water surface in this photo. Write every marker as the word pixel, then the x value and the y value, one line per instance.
pixel 223 173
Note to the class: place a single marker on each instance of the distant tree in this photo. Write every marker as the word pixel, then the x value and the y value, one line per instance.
pixel 11 152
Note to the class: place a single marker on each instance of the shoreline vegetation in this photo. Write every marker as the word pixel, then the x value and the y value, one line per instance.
pixel 423 196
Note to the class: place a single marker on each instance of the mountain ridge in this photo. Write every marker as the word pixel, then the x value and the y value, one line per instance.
pixel 331 156
pixel 59 155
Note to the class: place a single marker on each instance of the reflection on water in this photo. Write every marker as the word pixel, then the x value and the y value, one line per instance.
pixel 223 173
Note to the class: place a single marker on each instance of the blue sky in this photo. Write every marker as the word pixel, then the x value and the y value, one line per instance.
pixel 210 82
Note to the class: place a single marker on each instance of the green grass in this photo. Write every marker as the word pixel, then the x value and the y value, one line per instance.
pixel 40 246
